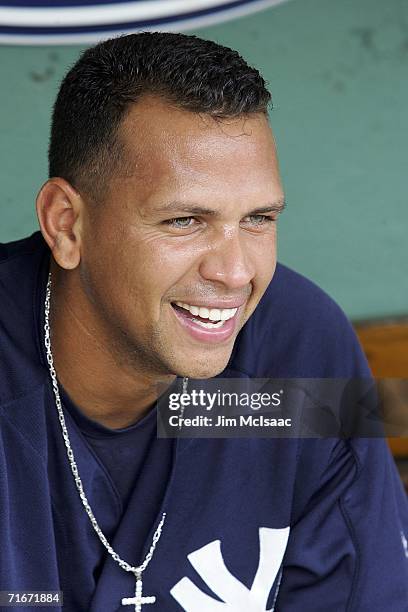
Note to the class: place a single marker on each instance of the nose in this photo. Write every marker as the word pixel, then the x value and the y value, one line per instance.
pixel 227 260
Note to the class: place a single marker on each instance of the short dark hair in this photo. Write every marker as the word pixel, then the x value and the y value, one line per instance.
pixel 195 74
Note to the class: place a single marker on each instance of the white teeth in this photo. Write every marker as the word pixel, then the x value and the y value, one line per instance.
pixel 213 314
pixel 209 325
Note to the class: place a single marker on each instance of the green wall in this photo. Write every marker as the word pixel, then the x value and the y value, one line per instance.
pixel 338 72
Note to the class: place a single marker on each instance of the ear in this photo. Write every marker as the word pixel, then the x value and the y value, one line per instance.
pixel 60 210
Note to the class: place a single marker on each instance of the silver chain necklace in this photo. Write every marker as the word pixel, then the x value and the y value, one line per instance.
pixel 138 600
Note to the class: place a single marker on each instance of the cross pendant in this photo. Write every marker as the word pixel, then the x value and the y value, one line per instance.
pixel 138 600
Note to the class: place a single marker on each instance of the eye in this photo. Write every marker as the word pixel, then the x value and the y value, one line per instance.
pixel 259 220
pixel 180 222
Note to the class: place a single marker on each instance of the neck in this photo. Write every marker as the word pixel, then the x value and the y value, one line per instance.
pixel 103 384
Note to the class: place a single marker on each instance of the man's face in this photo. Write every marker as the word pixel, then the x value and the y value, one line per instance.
pixel 177 256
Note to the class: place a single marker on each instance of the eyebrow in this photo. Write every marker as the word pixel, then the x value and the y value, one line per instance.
pixel 193 209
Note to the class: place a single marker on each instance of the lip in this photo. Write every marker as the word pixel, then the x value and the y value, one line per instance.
pixel 208 336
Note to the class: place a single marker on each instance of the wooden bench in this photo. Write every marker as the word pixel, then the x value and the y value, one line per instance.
pixel 385 344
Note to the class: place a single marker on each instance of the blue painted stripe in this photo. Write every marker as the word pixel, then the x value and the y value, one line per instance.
pixel 106 28
pixel 50 4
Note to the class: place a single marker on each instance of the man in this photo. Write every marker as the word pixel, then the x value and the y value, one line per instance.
pixel 156 262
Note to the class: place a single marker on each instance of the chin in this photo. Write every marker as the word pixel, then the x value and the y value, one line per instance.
pixel 201 368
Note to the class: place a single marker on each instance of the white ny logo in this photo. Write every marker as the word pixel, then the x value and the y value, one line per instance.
pixel 236 597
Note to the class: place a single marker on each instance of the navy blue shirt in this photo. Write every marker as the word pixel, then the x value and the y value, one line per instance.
pixel 127 454
pixel 259 524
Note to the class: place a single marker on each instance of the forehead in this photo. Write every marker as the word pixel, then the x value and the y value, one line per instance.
pixel 167 147
pixel 159 137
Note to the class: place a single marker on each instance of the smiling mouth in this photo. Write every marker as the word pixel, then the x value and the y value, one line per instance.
pixel 207 318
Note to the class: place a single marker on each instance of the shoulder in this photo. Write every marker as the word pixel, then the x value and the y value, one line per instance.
pixel 20 268
pixel 297 303
pixel 19 264
pixel 24 246
pixel 298 330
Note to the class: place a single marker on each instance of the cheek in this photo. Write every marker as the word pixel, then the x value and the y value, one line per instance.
pixel 162 267
pixel 150 267
pixel 168 259
pixel 264 258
